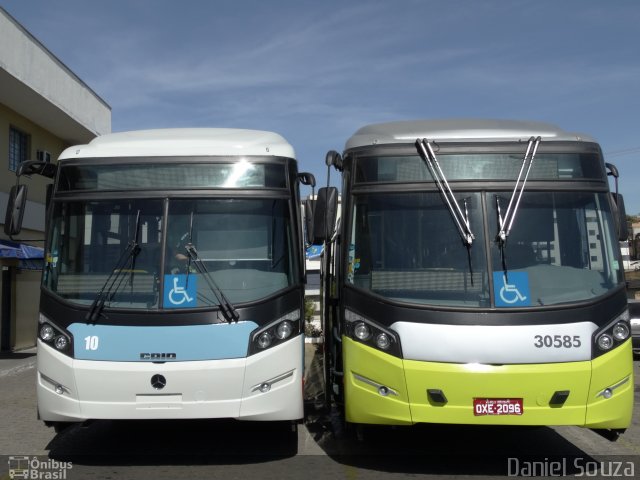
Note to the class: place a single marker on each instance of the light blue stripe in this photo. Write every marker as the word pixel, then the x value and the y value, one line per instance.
pixel 189 342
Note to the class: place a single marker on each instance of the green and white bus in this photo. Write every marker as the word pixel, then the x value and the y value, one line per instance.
pixel 476 278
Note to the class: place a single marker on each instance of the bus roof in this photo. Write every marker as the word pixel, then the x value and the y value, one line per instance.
pixel 459 130
pixel 179 142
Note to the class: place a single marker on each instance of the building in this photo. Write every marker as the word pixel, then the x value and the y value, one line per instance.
pixel 44 108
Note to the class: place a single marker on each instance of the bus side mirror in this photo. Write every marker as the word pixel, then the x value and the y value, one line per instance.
pixel 308 219
pixel 15 210
pixel 324 217
pixel 620 216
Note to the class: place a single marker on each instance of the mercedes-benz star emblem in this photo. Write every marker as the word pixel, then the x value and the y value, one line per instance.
pixel 158 382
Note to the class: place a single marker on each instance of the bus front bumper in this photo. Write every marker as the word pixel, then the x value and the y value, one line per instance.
pixel 264 386
pixel 382 389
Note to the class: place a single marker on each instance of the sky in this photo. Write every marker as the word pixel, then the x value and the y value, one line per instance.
pixel 316 71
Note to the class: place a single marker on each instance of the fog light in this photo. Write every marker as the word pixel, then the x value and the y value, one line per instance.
pixel 265 387
pixel 264 340
pixel 284 330
pixel 47 332
pixel 61 342
pixel 605 342
pixel 362 331
pixel 621 331
pixel 59 389
pixel 383 341
pixel 607 393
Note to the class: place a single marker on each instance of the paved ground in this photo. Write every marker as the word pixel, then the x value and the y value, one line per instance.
pixel 228 449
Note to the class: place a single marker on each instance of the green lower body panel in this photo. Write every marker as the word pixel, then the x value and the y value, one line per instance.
pixel 614 371
pixel 366 370
pixel 382 389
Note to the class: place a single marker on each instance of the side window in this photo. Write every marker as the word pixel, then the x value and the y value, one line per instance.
pixel 18 147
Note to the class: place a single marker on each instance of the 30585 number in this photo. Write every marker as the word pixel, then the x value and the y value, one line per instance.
pixel 557 341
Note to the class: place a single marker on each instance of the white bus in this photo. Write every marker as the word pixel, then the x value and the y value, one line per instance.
pixel 173 278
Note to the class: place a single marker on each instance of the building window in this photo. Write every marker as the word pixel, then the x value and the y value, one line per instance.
pixel 18 148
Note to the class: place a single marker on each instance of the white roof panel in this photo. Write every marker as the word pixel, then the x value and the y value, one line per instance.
pixel 459 130
pixel 180 142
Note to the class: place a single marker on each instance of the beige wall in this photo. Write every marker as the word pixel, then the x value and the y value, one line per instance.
pixel 25 318
pixel 40 140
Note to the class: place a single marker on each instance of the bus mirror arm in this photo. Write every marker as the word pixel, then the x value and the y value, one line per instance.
pixel 334 159
pixel 613 172
pixel 34 167
pixel 307 178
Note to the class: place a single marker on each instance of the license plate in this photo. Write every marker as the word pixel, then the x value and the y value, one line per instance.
pixel 497 406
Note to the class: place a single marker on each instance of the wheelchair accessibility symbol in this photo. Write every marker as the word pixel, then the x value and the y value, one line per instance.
pixel 180 291
pixel 511 290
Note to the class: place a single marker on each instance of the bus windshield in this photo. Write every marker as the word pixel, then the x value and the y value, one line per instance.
pixel 407 247
pixel 562 249
pixel 245 244
pixel 562 246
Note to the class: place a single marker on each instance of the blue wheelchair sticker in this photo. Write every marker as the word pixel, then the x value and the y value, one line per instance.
pixel 180 291
pixel 512 289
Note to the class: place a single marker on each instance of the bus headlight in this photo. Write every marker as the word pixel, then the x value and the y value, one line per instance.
pixel 274 333
pixel 47 332
pixel 54 336
pixel 361 331
pixel 284 330
pixel 365 330
pixel 383 341
pixel 612 335
pixel 605 342
pixel 264 340
pixel 61 342
pixel 621 331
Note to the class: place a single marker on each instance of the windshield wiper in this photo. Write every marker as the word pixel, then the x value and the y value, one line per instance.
pixel 506 222
pixel 227 309
pixel 461 219
pixel 129 253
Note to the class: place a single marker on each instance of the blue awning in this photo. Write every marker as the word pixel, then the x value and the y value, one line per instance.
pixel 10 249
pixel 30 257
